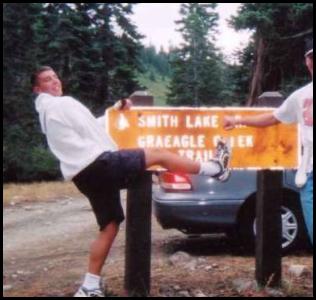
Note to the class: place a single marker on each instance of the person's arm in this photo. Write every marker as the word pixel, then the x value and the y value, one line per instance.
pixel 122 104
pixel 262 120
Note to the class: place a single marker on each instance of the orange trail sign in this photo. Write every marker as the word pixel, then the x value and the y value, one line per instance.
pixel 193 132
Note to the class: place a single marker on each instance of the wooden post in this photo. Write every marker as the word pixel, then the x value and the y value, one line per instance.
pixel 142 98
pixel 269 228
pixel 138 238
pixel 138 226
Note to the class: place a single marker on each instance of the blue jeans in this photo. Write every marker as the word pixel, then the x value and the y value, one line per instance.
pixel 307 205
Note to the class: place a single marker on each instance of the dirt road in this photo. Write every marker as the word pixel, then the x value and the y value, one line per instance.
pixel 46 247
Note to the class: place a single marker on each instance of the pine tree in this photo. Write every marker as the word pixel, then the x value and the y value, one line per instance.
pixel 196 78
pixel 278 43
pixel 23 158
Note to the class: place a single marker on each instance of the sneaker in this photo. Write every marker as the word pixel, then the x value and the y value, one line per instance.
pixel 222 157
pixel 83 292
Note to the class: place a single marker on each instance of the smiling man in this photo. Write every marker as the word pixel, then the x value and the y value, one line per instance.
pixel 88 156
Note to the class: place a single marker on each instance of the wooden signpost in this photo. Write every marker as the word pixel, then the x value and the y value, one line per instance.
pixel 269 228
pixel 193 132
pixel 138 226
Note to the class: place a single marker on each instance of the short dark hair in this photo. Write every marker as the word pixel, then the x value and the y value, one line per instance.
pixel 38 71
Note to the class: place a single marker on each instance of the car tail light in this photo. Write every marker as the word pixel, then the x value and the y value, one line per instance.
pixel 175 182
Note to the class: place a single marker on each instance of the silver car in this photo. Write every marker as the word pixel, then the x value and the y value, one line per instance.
pixel 198 204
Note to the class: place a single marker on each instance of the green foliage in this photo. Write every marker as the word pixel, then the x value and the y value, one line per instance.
pixel 150 58
pixel 155 75
pixel 24 160
pixel 282 28
pixel 196 77
pixel 158 87
pixel 42 165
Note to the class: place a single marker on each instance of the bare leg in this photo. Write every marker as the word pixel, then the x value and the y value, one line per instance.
pixel 100 248
pixel 171 161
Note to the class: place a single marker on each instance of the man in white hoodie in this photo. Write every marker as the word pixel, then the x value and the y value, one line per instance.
pixel 297 108
pixel 89 158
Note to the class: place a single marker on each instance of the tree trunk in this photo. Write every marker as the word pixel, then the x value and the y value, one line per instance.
pixel 256 82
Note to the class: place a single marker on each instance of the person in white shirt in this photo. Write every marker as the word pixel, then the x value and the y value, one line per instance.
pixel 297 108
pixel 99 170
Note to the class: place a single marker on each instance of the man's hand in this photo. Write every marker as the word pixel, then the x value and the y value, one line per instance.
pixel 229 122
pixel 123 104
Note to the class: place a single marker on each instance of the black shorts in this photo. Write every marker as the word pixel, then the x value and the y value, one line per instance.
pixel 102 180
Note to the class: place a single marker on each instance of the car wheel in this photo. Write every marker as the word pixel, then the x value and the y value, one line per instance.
pixel 293 227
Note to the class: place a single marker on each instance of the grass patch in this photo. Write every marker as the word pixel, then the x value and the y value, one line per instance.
pixel 156 86
pixel 38 191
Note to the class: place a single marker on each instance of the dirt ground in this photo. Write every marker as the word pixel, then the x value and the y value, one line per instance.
pixel 46 248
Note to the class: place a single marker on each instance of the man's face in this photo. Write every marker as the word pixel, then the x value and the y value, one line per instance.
pixel 48 82
pixel 309 63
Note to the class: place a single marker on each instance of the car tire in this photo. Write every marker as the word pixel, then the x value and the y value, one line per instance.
pixel 293 226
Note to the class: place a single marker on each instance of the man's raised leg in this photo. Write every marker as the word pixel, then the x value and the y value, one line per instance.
pixel 175 163
pixel 170 161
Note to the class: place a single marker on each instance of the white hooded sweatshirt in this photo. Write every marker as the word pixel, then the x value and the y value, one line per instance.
pixel 73 134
